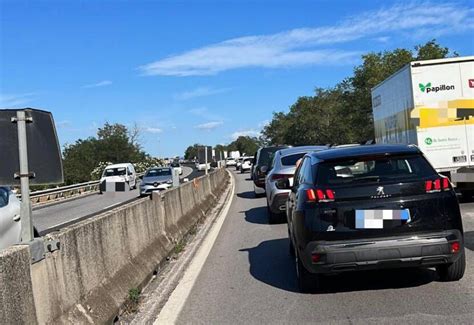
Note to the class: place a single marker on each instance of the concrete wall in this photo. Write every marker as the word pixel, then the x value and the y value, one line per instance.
pixel 16 292
pixel 102 258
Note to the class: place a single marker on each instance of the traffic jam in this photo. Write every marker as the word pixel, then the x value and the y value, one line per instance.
pixel 384 205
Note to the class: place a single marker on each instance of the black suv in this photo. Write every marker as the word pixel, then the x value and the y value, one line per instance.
pixel 262 160
pixel 372 207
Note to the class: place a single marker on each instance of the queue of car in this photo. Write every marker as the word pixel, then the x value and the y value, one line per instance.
pixel 361 207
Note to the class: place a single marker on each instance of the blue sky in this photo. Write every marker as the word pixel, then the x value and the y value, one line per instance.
pixel 198 71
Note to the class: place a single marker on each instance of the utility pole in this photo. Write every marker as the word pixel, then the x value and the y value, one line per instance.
pixel 205 159
pixel 27 234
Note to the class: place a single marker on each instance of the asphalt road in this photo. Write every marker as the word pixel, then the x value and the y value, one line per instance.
pixel 64 213
pixel 249 277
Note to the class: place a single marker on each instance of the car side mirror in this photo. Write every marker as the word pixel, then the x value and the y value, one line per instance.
pixel 264 169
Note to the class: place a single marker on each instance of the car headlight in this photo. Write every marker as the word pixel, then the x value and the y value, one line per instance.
pixel 170 181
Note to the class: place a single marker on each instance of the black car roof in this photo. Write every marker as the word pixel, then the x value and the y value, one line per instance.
pixel 364 150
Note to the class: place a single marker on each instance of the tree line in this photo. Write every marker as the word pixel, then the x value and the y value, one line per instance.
pixel 343 113
pixel 85 159
pixel 244 144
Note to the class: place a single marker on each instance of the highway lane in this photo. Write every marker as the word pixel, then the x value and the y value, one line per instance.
pixel 249 277
pixel 70 211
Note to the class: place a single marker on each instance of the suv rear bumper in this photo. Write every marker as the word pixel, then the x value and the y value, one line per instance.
pixel 429 249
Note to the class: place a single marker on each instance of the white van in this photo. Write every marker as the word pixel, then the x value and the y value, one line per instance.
pixel 120 173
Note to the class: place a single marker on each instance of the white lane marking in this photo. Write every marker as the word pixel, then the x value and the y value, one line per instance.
pixel 170 312
pixel 186 172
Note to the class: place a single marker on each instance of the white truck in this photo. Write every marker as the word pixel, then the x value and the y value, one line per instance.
pixel 234 154
pixel 431 104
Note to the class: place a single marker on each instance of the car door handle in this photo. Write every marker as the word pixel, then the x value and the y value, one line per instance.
pixel 16 217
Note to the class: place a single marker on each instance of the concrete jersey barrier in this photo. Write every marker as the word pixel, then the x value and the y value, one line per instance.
pixel 102 258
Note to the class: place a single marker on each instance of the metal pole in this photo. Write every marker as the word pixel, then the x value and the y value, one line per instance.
pixel 25 212
pixel 205 159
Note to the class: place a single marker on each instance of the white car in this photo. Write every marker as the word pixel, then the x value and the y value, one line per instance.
pixel 120 173
pixel 230 161
pixel 10 226
pixel 177 165
pixel 246 164
pixel 202 167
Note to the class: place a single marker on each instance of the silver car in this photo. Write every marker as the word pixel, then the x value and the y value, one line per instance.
pixel 283 166
pixel 156 179
pixel 10 228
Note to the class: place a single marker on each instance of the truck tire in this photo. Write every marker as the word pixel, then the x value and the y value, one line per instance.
pixel 454 271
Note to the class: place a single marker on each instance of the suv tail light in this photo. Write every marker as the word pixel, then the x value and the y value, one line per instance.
pixel 318 195
pixel 437 185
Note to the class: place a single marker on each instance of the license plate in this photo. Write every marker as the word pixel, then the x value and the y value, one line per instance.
pixel 379 219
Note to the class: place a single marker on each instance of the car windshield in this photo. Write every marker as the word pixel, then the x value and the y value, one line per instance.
pixel 158 172
pixel 374 170
pixel 4 193
pixel 291 160
pixel 174 164
pixel 115 171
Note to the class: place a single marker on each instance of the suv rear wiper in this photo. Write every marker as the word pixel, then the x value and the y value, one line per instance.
pixel 367 178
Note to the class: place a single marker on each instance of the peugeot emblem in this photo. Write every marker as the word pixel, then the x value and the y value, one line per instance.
pixel 380 190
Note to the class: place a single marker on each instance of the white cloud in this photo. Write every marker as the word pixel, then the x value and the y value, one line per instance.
pixel 245 133
pixel 200 92
pixel 382 39
pixel 153 130
pixel 263 124
pixel 209 125
pixel 63 124
pixel 297 47
pixel 98 84
pixel 204 112
pixel 15 100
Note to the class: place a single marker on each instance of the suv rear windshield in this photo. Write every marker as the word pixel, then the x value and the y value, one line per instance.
pixel 266 155
pixel 368 170
pixel 158 172
pixel 291 160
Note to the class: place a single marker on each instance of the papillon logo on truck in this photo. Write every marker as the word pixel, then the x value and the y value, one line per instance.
pixel 428 88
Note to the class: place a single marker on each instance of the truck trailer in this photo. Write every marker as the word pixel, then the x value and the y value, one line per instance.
pixel 430 104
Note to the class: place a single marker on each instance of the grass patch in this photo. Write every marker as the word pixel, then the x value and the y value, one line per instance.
pixel 131 305
pixel 179 247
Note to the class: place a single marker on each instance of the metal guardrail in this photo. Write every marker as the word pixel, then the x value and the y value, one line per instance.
pixel 64 192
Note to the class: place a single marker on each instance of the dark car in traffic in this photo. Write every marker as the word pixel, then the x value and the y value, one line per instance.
pixel 262 160
pixel 372 207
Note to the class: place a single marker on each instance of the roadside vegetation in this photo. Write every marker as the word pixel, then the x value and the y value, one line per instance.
pixel 343 113
pixel 85 159
pixel 244 144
